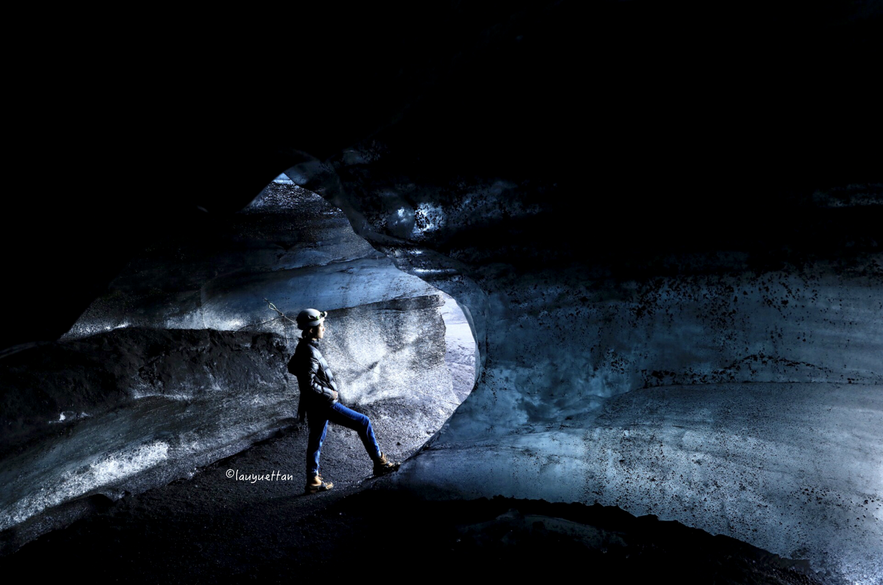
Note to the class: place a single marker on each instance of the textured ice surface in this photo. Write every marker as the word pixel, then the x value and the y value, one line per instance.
pixel 718 389
pixel 159 405
pixel 753 461
pixel 771 434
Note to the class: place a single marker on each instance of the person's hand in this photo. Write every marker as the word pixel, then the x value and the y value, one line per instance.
pixel 334 394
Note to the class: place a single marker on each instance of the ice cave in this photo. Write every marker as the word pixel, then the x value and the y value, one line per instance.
pixel 614 259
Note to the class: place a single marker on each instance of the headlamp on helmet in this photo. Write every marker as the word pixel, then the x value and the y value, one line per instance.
pixel 310 318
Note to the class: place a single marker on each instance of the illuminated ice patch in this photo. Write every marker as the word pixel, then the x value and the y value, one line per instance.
pixel 283 179
pixel 148 392
pixel 434 271
pixel 68 415
pixel 428 218
pixel 71 484
pixel 123 464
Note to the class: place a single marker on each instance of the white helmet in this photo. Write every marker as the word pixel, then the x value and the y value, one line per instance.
pixel 310 318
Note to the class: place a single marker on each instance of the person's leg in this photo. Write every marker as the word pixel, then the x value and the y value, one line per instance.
pixel 318 424
pixel 358 422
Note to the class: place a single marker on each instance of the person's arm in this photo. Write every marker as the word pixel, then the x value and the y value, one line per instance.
pixel 318 385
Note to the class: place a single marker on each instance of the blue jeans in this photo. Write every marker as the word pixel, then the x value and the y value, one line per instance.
pixel 337 413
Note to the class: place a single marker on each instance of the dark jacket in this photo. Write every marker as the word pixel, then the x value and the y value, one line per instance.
pixel 314 377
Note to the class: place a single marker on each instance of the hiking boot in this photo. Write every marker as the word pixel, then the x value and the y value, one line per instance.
pixel 316 484
pixel 383 465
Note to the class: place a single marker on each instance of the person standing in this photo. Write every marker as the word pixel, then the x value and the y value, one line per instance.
pixel 320 402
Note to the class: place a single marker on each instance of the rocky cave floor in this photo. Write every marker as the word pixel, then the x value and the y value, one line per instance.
pixel 215 529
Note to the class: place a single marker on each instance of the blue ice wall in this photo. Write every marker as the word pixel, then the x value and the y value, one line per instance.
pixel 715 387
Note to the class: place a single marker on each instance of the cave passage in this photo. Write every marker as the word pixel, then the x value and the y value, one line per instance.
pixel 181 362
